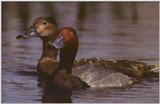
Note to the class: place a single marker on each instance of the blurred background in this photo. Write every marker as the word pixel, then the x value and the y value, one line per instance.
pixel 114 30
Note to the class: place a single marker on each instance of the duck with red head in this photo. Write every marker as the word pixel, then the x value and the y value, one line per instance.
pixel 53 39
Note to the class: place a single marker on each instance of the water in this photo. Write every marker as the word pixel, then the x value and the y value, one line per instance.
pixel 105 30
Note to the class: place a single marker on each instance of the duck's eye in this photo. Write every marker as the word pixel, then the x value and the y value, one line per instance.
pixel 44 23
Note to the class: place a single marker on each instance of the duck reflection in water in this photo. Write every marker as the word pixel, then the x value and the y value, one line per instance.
pixel 52 93
pixel 55 78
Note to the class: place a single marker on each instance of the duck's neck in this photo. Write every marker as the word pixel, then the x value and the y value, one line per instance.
pixel 48 51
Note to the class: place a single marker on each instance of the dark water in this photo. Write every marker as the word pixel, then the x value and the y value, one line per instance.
pixel 105 30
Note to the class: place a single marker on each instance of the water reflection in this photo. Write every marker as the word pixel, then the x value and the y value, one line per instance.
pixel 82 11
pixel 125 11
pixel 134 16
pixel 54 94
pixel 118 11
pixel 24 12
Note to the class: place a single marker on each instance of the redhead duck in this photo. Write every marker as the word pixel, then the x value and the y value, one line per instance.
pixel 66 40
pixel 53 39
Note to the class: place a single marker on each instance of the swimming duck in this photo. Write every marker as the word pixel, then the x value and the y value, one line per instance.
pixel 53 39
pixel 66 40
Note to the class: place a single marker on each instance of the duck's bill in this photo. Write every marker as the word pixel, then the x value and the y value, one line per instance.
pixel 28 34
pixel 58 43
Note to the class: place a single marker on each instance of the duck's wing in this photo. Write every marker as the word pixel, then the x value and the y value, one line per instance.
pixel 58 43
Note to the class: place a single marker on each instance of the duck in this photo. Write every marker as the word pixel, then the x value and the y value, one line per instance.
pixel 64 39
pixel 85 74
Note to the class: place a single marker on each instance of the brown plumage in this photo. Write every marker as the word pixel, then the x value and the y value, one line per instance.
pixel 48 68
pixel 46 29
pixel 69 51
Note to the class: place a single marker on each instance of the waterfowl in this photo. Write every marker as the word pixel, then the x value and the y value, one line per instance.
pixel 53 39
pixel 66 40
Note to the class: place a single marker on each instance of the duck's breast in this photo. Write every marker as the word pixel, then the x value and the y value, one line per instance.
pixel 47 66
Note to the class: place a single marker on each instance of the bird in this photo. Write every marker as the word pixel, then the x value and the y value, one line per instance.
pixel 64 39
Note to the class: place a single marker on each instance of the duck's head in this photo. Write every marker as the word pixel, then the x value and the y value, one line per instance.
pixel 43 27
